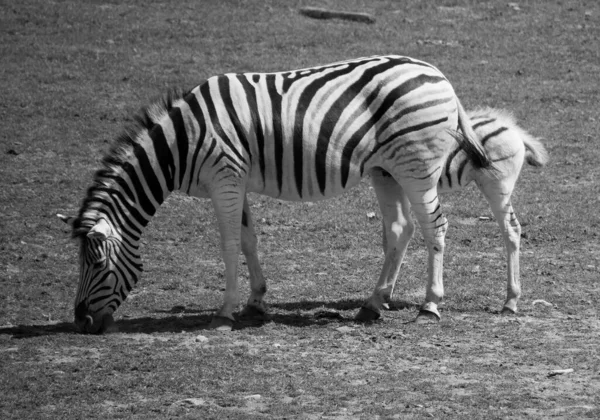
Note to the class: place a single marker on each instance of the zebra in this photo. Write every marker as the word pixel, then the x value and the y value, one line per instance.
pixel 302 135
pixel 507 146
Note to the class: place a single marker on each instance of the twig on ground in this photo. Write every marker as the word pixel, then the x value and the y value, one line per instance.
pixel 318 13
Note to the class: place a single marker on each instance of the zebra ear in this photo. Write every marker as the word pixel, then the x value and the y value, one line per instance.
pixel 67 219
pixel 101 230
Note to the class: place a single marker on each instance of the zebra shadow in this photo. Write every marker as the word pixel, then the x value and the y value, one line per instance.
pixel 339 305
pixel 179 319
pixel 29 331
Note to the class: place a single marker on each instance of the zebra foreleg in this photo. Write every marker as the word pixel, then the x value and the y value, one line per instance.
pixel 258 286
pixel 398 229
pixel 228 201
pixel 434 225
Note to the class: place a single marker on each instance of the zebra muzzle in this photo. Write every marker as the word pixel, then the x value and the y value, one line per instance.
pixel 86 324
pixel 98 326
pixel 89 322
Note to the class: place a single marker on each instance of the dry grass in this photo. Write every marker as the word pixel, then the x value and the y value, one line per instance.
pixel 71 75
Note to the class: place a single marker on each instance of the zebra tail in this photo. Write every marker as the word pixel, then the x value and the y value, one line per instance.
pixel 535 152
pixel 469 141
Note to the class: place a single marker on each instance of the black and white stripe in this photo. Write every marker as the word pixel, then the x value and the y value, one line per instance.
pixel 307 134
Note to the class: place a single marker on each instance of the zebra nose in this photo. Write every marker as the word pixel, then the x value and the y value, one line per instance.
pixel 83 320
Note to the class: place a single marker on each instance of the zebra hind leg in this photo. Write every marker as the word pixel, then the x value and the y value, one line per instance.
pixel 498 192
pixel 434 225
pixel 255 307
pixel 398 229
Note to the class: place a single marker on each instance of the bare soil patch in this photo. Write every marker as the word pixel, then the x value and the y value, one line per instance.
pixel 72 74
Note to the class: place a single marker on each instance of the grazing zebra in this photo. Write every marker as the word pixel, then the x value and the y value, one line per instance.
pixel 507 145
pixel 300 135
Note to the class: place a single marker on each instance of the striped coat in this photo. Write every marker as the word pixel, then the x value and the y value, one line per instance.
pixel 307 134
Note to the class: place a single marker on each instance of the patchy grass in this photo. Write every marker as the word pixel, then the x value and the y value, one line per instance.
pixel 72 73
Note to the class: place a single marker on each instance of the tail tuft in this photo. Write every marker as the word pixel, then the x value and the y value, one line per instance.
pixel 535 152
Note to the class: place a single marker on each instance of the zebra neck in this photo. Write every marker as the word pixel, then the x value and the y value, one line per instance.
pixel 122 215
pixel 146 164
pixel 126 196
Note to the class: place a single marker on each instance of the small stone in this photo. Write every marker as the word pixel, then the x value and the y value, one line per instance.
pixel 541 302
pixel 193 401
pixel 344 329
pixel 557 372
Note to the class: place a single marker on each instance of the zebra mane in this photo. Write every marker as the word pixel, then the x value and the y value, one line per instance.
pixel 121 151
pixel 145 119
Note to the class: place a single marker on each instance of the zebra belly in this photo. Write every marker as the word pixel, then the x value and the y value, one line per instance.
pixel 288 188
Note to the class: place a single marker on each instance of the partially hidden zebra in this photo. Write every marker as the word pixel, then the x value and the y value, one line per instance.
pixel 508 147
pixel 307 134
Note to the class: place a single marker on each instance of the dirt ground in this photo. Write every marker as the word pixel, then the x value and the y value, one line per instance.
pixel 72 74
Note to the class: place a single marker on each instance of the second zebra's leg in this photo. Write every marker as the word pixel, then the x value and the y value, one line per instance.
pixel 228 202
pixel 258 286
pixel 428 211
pixel 498 196
pixel 398 229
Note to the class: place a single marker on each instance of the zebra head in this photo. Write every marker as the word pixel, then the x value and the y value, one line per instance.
pixel 109 267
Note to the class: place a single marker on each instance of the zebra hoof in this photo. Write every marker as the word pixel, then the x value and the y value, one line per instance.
pixel 251 311
pixel 428 317
pixel 367 315
pixel 221 323
pixel 508 311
